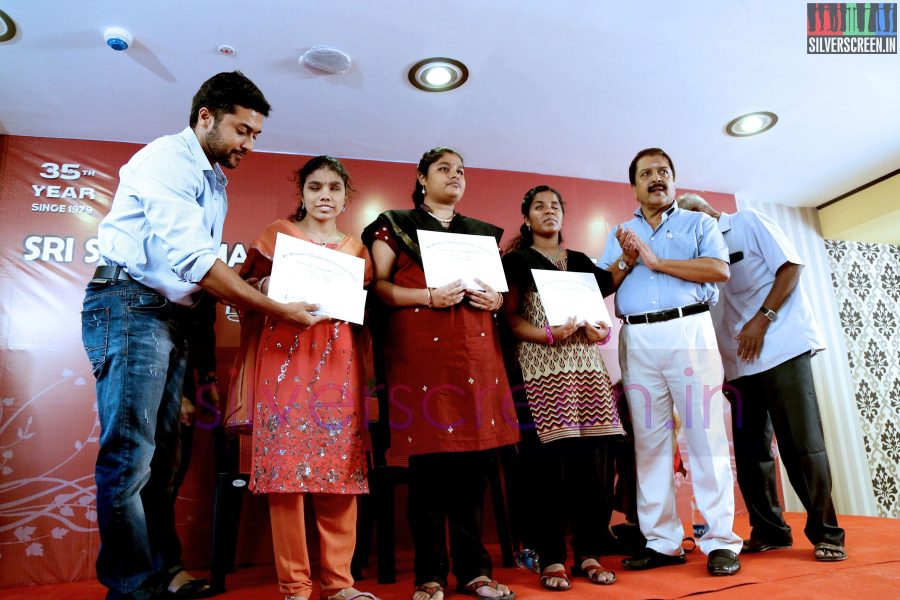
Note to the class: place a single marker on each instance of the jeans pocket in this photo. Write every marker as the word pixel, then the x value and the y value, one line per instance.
pixel 147 302
pixel 95 335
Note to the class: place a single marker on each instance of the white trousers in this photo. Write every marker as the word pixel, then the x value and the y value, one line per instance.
pixel 676 364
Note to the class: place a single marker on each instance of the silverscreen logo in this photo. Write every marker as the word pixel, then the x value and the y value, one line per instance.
pixel 851 28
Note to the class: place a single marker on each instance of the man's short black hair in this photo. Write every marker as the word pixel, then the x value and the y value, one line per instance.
pixel 221 93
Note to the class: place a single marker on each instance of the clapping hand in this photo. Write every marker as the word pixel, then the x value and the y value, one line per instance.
pixel 633 247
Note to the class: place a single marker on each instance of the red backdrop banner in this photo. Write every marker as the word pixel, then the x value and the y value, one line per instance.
pixel 53 193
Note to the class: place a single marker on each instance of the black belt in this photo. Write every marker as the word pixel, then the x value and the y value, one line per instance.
pixel 667 315
pixel 107 273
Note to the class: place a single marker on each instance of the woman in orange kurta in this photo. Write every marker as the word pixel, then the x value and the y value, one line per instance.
pixel 309 427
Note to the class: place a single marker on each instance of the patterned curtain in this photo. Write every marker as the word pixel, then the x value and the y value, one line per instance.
pixel 866 280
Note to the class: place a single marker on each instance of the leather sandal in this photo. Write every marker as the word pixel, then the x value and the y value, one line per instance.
pixel 593 572
pixel 193 588
pixel 430 590
pixel 546 576
pixel 471 589
pixel 349 594
pixel 838 552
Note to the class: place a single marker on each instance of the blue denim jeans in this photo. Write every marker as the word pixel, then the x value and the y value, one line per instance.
pixel 135 341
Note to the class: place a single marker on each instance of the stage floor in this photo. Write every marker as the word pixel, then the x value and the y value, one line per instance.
pixel 872 572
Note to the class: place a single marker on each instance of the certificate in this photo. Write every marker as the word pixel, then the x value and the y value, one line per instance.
pixel 307 272
pixel 565 294
pixel 451 256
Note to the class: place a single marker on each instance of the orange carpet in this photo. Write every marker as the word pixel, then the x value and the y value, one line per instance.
pixel 872 572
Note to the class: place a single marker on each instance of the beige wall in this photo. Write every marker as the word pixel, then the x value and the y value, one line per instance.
pixel 869 215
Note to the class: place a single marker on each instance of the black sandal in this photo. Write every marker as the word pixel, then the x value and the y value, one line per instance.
pixel 194 588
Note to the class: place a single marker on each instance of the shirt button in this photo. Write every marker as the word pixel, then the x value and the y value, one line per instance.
pixel 651 239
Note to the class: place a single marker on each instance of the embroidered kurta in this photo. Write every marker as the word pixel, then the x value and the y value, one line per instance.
pixel 309 425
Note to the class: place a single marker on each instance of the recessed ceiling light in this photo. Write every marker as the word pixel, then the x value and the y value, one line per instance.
pixel 438 74
pixel 7 27
pixel 751 124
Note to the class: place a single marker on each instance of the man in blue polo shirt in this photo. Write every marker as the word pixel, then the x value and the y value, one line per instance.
pixel 767 335
pixel 159 244
pixel 666 262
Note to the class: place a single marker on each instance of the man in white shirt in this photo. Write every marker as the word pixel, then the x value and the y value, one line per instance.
pixel 767 335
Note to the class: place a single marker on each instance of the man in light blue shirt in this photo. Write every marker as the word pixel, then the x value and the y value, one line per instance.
pixel 666 263
pixel 767 335
pixel 158 246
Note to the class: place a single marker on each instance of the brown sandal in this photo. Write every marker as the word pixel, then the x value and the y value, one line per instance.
pixel 838 552
pixel 593 572
pixel 431 590
pixel 546 576
pixel 471 589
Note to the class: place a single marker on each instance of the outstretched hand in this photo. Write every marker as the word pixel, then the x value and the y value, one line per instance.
pixel 301 314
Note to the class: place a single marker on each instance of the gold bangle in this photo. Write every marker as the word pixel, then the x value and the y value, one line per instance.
pixel 499 302
pixel 430 298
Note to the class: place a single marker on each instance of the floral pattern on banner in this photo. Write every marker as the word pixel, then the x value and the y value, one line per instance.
pixel 866 280
pixel 36 510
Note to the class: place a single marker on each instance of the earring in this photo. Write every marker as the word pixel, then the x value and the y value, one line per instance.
pixel 302 206
pixel 344 209
pixel 528 225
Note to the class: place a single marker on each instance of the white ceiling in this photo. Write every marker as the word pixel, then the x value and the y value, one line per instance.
pixel 561 87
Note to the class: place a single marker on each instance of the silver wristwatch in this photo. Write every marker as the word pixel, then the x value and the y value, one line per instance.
pixel 768 313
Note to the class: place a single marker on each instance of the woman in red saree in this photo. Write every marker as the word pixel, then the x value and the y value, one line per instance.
pixel 446 385
pixel 309 427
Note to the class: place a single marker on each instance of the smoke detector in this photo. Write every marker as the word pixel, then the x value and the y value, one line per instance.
pixel 117 38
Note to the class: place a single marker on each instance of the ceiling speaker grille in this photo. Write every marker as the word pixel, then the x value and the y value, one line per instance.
pixel 326 60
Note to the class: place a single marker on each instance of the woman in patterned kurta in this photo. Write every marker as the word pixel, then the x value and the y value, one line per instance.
pixel 569 398
pixel 445 381
pixel 309 427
